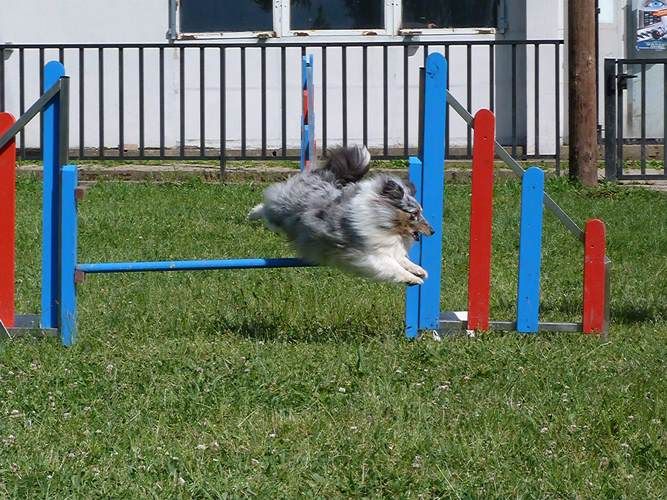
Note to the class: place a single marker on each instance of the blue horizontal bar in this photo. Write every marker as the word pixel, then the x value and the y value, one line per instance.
pixel 190 265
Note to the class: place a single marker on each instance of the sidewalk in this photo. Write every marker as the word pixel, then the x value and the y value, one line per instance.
pixel 655 185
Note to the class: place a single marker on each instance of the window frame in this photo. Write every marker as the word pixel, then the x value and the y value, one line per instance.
pixel 288 32
pixel 175 34
pixel 282 30
pixel 500 28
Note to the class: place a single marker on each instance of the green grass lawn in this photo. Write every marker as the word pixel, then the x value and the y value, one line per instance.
pixel 299 382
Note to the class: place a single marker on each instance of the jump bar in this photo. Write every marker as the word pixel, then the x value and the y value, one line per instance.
pixel 189 265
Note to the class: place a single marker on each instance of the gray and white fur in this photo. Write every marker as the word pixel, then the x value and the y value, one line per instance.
pixel 334 216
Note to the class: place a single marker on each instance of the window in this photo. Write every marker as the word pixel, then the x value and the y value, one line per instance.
pixel 432 14
pixel 284 18
pixel 219 16
pixel 337 14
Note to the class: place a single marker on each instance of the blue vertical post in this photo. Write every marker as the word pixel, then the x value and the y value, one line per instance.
pixel 415 173
pixel 53 71
pixel 530 251
pixel 304 147
pixel 312 145
pixel 435 109
pixel 68 247
pixel 304 113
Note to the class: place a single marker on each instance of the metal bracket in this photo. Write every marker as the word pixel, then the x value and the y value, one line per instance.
pixel 623 80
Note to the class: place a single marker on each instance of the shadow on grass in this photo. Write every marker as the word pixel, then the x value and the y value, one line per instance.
pixel 273 329
pixel 629 314
pixel 571 309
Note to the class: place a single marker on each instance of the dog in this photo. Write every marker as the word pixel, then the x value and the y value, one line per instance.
pixel 336 216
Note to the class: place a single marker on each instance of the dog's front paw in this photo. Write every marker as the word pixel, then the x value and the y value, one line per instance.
pixel 414 280
pixel 420 272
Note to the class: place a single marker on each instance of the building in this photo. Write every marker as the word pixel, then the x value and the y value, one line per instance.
pixel 505 66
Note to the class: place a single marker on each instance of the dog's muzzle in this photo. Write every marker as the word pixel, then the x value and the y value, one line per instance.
pixel 424 228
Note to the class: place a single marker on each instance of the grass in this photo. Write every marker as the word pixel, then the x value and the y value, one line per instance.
pixel 298 382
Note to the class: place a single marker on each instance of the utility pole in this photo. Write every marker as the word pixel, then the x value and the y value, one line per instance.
pixel 582 91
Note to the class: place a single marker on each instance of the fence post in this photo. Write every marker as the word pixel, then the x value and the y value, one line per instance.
pixel 610 119
pixel 51 154
pixel 7 223
pixel 68 248
pixel 435 111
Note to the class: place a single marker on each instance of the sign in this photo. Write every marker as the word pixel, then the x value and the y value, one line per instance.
pixel 652 25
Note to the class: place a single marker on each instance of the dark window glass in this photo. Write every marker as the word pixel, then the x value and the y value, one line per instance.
pixel 337 14
pixel 450 13
pixel 201 16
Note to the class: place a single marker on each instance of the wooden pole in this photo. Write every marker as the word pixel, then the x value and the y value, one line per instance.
pixel 582 91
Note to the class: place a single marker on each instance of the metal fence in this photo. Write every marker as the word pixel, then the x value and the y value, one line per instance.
pixel 239 101
pixel 635 111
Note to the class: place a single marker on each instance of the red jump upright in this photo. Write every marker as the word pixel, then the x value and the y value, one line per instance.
pixel 7 223
pixel 595 278
pixel 481 216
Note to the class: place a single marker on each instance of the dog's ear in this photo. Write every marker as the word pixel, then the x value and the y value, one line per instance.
pixel 392 190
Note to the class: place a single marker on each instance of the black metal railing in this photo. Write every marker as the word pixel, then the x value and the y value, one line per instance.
pixel 238 101
pixel 635 129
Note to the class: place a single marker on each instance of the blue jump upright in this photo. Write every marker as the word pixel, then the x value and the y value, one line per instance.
pixel 51 134
pixel 308 147
pixel 530 251
pixel 412 293
pixel 428 174
pixel 68 237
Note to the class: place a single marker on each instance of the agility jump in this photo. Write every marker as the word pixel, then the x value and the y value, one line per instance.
pixel 427 173
pixel 61 271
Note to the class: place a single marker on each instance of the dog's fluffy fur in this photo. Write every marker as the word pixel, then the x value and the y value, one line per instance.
pixel 334 216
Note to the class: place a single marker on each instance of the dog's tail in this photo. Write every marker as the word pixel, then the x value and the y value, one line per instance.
pixel 347 164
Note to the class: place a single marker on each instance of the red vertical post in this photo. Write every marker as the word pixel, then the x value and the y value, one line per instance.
pixel 595 278
pixel 481 216
pixel 7 222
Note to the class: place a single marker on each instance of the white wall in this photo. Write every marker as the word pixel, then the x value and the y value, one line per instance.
pixel 545 20
pixel 77 21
